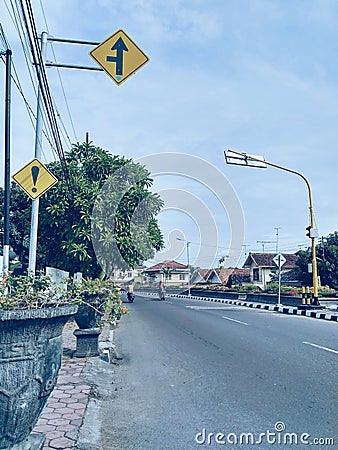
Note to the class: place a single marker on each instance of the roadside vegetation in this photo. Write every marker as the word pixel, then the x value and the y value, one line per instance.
pixel 65 225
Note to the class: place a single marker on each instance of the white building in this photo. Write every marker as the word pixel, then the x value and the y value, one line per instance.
pixel 172 273
pixel 262 268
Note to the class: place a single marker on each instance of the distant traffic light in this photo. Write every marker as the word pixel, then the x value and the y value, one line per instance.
pixel 311 232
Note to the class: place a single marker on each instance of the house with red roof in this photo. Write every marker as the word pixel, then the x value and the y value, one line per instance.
pixel 172 273
pixel 262 267
pixel 226 277
pixel 200 276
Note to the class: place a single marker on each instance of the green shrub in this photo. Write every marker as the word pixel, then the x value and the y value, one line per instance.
pixel 246 288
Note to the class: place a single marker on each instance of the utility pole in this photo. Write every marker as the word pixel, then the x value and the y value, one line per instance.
pixel 323 247
pixel 277 239
pixel 245 246
pixel 7 178
pixel 188 262
pixel 37 154
pixel 265 242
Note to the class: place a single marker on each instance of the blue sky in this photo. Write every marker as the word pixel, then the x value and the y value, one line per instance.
pixel 258 76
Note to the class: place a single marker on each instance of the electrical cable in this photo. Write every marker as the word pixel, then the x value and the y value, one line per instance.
pixel 61 83
pixel 18 24
pixel 30 26
pixel 3 39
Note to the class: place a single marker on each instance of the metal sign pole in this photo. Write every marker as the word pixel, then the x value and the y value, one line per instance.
pixel 38 151
pixel 5 266
pixel 279 279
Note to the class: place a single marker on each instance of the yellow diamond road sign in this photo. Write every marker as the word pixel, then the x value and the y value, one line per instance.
pixel 35 179
pixel 119 56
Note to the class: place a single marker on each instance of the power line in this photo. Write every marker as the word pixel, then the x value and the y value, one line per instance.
pixel 19 26
pixel 4 39
pixel 30 111
pixel 61 83
pixel 28 18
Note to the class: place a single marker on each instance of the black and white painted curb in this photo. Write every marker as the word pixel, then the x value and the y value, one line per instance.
pixel 280 309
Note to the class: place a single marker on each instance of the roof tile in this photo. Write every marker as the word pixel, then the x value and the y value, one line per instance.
pixel 167 264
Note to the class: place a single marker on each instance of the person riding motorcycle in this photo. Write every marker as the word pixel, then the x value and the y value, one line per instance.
pixel 161 291
pixel 130 293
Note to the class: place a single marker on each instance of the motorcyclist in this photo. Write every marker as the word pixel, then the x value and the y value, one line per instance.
pixel 130 293
pixel 161 291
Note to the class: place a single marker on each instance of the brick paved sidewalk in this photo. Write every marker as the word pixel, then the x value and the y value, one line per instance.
pixel 63 415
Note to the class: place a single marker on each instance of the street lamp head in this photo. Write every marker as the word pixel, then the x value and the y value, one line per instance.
pixel 244 159
pixel 184 240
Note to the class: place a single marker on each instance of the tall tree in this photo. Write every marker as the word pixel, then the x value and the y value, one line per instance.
pixel 327 262
pixel 327 252
pixel 301 269
pixel 65 218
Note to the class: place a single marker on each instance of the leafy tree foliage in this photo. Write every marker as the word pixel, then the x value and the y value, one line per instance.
pixel 327 253
pixel 20 211
pixel 327 262
pixel 65 218
pixel 301 269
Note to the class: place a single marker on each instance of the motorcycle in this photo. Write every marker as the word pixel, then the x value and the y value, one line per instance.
pixel 130 297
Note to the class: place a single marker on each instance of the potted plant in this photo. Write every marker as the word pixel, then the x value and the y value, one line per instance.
pixel 98 300
pixel 33 312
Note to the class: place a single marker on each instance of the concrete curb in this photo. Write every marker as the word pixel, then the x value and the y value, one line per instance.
pixel 280 309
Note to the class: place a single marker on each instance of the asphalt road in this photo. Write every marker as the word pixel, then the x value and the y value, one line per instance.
pixel 192 370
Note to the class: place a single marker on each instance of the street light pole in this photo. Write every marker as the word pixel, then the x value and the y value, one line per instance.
pixel 188 262
pixel 312 218
pixel 189 287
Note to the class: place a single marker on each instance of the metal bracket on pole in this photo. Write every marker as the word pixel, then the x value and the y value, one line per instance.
pixel 73 66
pixel 71 41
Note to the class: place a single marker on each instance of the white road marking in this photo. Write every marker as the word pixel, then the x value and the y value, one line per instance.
pixel 322 348
pixel 166 301
pixel 197 308
pixel 234 320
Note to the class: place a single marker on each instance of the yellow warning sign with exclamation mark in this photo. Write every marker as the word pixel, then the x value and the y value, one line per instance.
pixel 34 179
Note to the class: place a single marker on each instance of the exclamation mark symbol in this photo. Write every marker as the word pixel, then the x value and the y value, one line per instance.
pixel 35 173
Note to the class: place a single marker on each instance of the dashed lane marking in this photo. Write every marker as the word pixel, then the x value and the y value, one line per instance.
pixel 197 308
pixel 234 320
pixel 321 347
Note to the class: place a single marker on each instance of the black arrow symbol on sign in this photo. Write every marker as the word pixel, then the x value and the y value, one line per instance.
pixel 120 47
